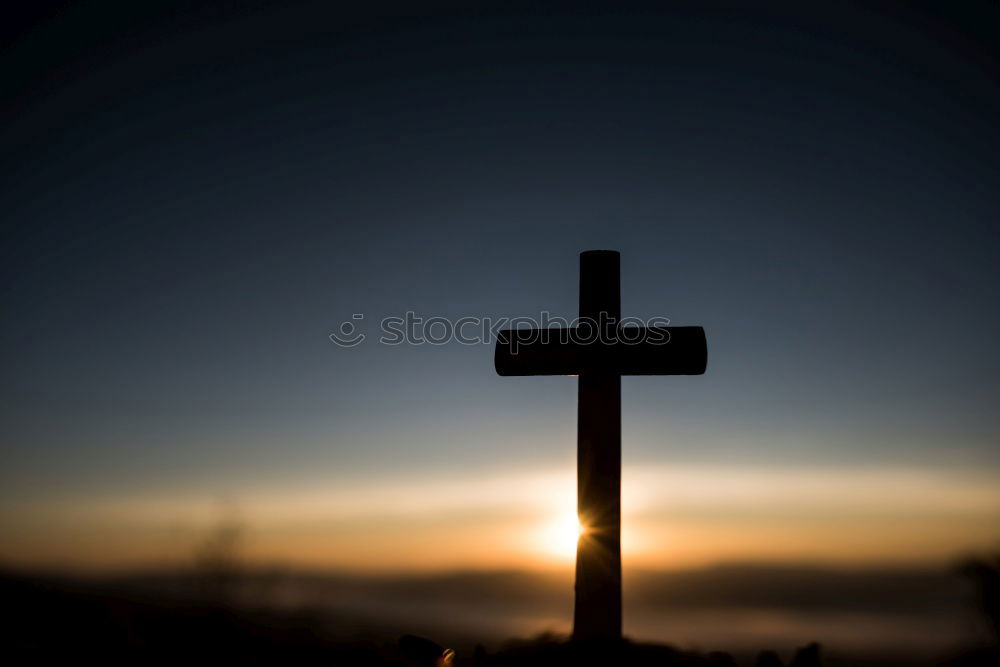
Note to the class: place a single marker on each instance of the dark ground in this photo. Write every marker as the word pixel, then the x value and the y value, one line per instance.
pixel 59 620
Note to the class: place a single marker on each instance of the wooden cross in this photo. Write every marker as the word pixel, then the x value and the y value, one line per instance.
pixel 599 351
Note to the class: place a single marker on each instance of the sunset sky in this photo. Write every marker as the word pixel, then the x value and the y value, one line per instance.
pixel 194 200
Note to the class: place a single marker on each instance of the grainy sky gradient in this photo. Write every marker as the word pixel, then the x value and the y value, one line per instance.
pixel 194 199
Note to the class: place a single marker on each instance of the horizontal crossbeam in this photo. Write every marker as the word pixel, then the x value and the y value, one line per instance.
pixel 632 351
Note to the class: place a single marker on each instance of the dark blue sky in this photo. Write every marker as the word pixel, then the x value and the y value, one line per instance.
pixel 194 199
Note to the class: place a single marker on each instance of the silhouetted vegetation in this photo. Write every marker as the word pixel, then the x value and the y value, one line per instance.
pixel 985 575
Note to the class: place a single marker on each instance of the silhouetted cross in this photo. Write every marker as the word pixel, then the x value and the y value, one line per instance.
pixel 600 351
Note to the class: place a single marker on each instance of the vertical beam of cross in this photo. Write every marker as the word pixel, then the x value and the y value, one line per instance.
pixel 598 610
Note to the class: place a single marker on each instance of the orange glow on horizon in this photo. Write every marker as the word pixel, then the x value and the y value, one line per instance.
pixel 673 517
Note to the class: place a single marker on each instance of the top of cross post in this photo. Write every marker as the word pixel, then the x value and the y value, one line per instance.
pixel 600 294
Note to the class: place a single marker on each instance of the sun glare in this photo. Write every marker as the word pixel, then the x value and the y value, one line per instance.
pixel 559 536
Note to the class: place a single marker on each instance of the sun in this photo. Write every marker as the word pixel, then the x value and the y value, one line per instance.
pixel 559 536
